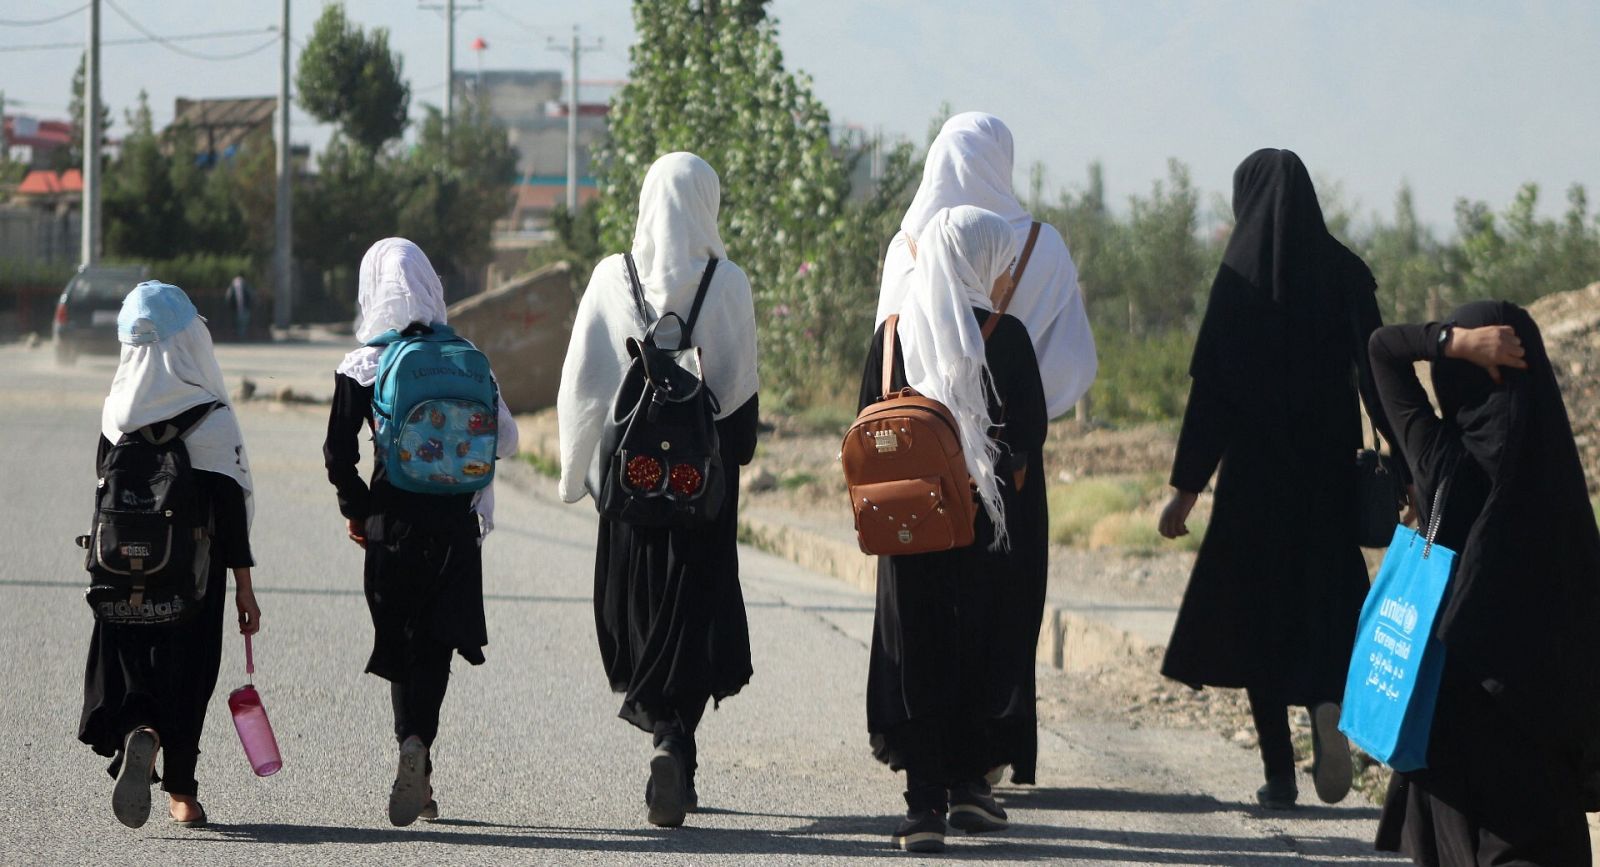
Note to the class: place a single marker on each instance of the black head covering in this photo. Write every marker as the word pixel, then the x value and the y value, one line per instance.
pixel 1524 606
pixel 1278 318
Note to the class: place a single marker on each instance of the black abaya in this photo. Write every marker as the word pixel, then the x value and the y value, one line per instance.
pixel 163 676
pixel 668 609
pixel 949 695
pixel 1279 580
pixel 423 573
pixel 1516 729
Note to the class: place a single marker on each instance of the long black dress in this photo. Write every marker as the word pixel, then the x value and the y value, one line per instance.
pixel 1516 720
pixel 423 573
pixel 1279 580
pixel 668 609
pixel 944 685
pixel 163 677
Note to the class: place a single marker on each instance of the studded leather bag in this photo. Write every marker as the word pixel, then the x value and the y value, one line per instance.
pixel 902 459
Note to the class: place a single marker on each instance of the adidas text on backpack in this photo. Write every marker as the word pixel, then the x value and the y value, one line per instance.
pixel 435 411
pixel 149 551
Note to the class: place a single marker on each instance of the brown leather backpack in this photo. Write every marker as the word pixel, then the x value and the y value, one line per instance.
pixel 902 459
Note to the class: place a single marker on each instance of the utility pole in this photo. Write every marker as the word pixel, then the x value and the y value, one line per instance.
pixel 450 8
pixel 282 218
pixel 449 62
pixel 577 50
pixel 89 231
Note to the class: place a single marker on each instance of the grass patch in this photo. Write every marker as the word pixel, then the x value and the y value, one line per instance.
pixel 544 466
pixel 1076 508
pixel 1136 531
pixel 795 481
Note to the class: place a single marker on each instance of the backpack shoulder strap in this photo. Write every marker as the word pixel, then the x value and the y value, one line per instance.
pixel 1003 300
pixel 179 426
pixel 889 326
pixel 699 299
pixel 637 289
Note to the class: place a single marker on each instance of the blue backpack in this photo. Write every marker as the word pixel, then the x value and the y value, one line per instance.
pixel 435 411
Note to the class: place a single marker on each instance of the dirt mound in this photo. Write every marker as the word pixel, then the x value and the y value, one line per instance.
pixel 1571 325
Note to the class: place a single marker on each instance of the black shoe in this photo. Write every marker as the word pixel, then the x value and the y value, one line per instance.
pixel 666 793
pixel 1279 793
pixel 921 832
pixel 130 797
pixel 1330 751
pixel 974 810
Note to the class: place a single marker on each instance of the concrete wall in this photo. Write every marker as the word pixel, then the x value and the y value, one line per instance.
pixel 33 235
pixel 523 327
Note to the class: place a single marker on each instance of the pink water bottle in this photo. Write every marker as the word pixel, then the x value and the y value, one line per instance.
pixel 250 718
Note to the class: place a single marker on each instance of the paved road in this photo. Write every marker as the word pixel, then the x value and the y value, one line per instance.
pixel 532 765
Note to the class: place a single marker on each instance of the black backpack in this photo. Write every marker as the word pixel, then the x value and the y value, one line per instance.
pixel 663 459
pixel 149 551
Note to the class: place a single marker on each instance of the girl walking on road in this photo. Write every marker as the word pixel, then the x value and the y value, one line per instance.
pixel 941 678
pixel 969 163
pixel 146 687
pixel 668 608
pixel 1514 753
pixel 424 568
pixel 1278 584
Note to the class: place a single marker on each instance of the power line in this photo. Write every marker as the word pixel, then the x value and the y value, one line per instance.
pixel 500 10
pixel 217 34
pixel 6 22
pixel 166 42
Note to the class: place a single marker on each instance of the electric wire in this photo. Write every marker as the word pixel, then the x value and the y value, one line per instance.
pixel 6 22
pixel 217 34
pixel 166 42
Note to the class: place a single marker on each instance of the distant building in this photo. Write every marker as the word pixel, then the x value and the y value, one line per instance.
pixel 34 142
pixel 219 128
pixel 50 191
pixel 531 105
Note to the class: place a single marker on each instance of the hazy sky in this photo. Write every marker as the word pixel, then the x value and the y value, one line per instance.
pixel 1460 97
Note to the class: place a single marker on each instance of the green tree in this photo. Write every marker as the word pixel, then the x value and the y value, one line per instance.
pixel 350 78
pixel 71 156
pixel 711 80
pixel 144 216
pixel 1408 262
pixel 456 184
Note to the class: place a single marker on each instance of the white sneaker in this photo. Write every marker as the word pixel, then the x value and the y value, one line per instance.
pixel 130 797
pixel 411 791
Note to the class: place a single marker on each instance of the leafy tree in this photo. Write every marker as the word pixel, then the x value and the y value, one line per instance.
pixel 715 84
pixel 144 216
pixel 350 78
pixel 456 184
pixel 71 156
pixel 349 204
pixel 1408 262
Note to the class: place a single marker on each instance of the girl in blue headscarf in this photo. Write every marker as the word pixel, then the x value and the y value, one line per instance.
pixel 146 687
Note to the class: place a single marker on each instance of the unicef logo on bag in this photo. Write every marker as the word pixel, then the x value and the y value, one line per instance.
pixel 1399 612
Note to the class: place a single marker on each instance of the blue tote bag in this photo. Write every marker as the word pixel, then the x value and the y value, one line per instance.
pixel 1395 668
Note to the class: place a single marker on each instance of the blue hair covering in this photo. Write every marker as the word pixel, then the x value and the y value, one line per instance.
pixel 153 312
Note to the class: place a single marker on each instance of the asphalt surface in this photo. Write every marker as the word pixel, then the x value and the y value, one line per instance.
pixel 532 765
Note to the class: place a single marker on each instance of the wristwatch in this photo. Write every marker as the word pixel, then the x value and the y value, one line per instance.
pixel 1444 339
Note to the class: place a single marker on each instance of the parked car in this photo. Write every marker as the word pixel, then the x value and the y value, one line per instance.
pixel 86 315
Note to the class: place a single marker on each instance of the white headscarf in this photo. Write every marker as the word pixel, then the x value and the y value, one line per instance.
pixel 959 255
pixel 156 381
pixel 676 236
pixel 970 163
pixel 396 287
